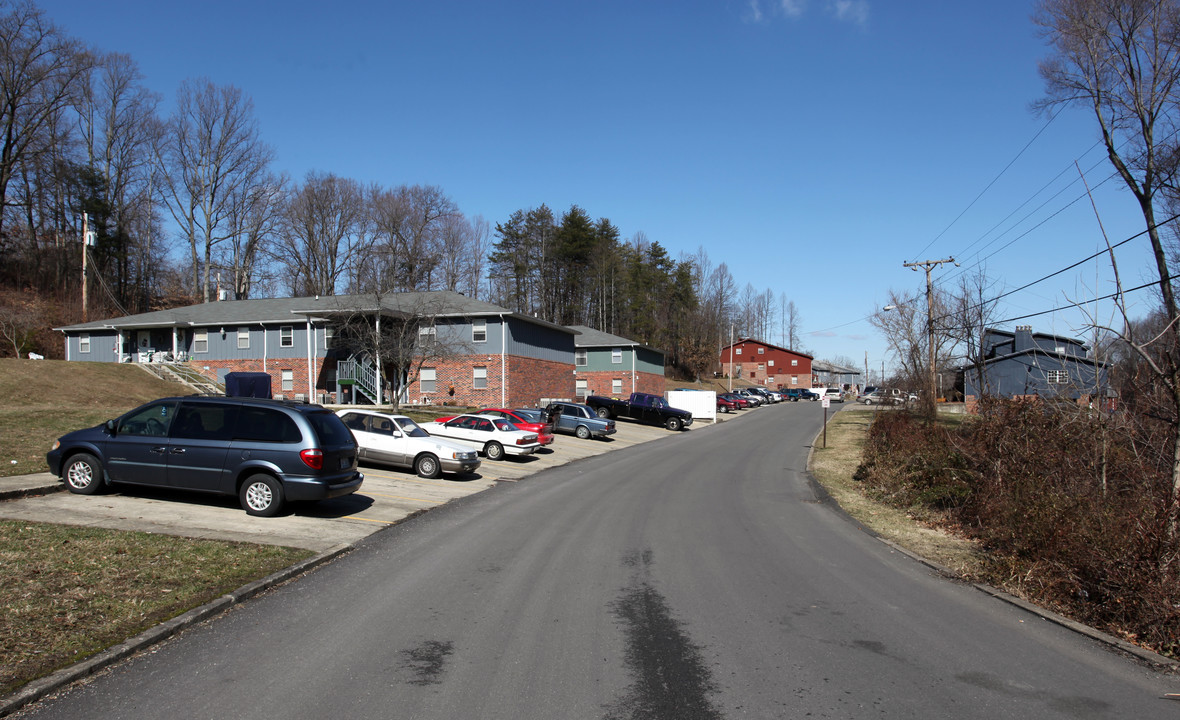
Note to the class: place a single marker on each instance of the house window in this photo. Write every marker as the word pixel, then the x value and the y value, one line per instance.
pixel 770 363
pixel 616 355
pixel 479 378
pixel 794 379
pixel 427 336
pixel 426 379
pixel 794 363
pixel 288 377
pixel 84 343
pixel 616 386
pixel 1057 377
pixel 329 337
pixel 761 366
pixel 286 336
pixel 761 351
pixel 580 358
pixel 200 341
pixel 738 351
pixel 479 331
pixel 581 388
pixel 243 337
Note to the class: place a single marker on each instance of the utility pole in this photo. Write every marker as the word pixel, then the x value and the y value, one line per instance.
pixel 929 402
pixel 85 244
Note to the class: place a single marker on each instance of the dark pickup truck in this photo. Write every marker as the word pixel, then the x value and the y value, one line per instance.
pixel 643 407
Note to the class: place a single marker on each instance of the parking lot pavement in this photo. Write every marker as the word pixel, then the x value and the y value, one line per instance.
pixel 387 496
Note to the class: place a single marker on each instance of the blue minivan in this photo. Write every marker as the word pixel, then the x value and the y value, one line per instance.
pixel 267 452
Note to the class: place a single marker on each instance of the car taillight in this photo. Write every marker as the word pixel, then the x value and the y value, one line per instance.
pixel 526 440
pixel 313 458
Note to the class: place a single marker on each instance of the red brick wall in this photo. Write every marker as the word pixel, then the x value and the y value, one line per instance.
pixel 528 381
pixel 274 368
pixel 601 382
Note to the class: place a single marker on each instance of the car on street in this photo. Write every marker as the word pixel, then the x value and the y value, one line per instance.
pixel 266 452
pixel 580 420
pixel 493 436
pixel 398 440
pixel 834 395
pixel 808 394
pixel 881 397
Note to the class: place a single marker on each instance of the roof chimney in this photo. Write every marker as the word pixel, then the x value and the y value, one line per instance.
pixel 1023 339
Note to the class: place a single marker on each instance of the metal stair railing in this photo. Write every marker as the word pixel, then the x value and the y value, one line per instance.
pixel 363 374
pixel 185 375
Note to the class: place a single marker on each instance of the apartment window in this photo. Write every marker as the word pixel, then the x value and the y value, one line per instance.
pixel 761 351
pixel 288 377
pixel 616 386
pixel 427 336
pixel 200 341
pixel 243 337
pixel 770 363
pixel 581 388
pixel 794 363
pixel 738 351
pixel 479 378
pixel 616 355
pixel 794 379
pixel 761 366
pixel 329 337
pixel 286 336
pixel 84 343
pixel 479 331
pixel 1057 377
pixel 580 358
pixel 426 379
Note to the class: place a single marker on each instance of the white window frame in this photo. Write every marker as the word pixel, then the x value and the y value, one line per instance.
pixel 761 351
pixel 581 358
pixel 84 342
pixel 428 380
pixel 329 337
pixel 794 379
pixel 479 331
pixel 581 387
pixel 286 336
pixel 427 334
pixel 244 337
pixel 479 377
pixel 794 362
pixel 287 380
pixel 737 351
pixel 616 356
pixel 201 340
pixel 616 386
pixel 1057 377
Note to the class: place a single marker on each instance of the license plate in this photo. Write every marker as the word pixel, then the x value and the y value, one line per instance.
pixel 345 463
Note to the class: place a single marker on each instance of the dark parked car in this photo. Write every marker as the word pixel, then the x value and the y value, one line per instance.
pixel 266 452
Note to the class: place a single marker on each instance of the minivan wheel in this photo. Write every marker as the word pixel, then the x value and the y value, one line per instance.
pixel 83 474
pixel 494 451
pixel 427 466
pixel 261 496
pixel 582 432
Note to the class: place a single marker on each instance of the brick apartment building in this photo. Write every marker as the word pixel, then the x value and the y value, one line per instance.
pixel 766 364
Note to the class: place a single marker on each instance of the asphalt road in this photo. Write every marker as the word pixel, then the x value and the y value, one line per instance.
pixel 696 577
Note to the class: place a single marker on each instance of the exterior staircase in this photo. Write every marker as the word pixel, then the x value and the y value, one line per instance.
pixel 361 374
pixel 181 373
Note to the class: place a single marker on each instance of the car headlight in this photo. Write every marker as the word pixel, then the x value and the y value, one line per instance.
pixel 56 445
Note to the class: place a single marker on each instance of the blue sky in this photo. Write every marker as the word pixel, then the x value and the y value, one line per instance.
pixel 812 145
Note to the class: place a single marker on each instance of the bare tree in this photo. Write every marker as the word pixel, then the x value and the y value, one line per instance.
pixel 256 218
pixel 1120 59
pixel 408 224
pixel 40 70
pixel 211 151
pixel 905 324
pixel 972 309
pixel 324 227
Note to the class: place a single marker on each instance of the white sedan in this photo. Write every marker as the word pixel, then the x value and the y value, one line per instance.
pixel 398 440
pixel 493 436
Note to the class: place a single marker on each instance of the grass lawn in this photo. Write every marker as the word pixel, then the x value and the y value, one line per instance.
pixel 44 399
pixel 834 466
pixel 69 592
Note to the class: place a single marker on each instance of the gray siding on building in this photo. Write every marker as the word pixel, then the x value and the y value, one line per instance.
pixel 1028 374
pixel 537 341
pixel 102 347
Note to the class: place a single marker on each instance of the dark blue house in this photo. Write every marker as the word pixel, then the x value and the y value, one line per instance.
pixel 1028 364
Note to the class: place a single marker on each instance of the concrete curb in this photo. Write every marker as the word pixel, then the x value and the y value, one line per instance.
pixel 38 689
pixel 1141 654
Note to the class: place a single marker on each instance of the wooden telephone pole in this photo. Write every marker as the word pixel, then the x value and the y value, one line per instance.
pixel 929 401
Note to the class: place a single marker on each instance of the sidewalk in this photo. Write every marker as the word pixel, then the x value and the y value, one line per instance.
pixel 18 486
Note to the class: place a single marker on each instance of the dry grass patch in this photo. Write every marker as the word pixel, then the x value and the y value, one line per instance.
pixel 69 592
pixel 834 467
pixel 44 399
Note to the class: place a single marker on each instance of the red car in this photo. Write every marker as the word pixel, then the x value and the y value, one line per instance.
pixel 725 405
pixel 544 431
pixel 740 403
